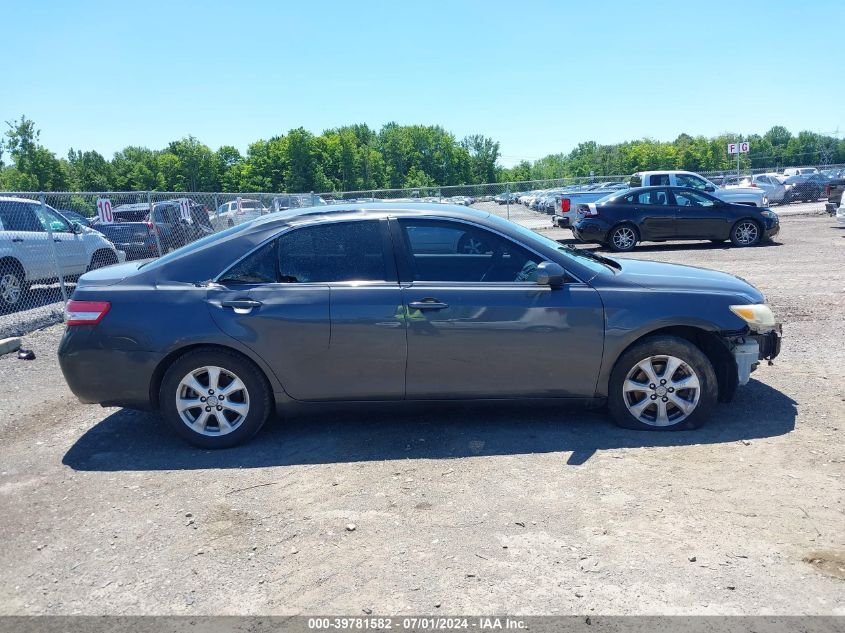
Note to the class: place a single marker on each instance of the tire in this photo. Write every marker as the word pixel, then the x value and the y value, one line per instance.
pixel 746 233
pixel 101 259
pixel 227 422
pixel 623 238
pixel 14 288
pixel 634 404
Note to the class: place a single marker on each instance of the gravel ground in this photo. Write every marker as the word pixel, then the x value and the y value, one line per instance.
pixel 513 509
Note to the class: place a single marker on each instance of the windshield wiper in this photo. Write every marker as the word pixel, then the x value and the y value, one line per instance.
pixel 578 252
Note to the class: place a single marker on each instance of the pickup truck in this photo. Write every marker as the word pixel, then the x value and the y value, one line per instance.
pixel 733 194
pixel 566 204
pixel 833 190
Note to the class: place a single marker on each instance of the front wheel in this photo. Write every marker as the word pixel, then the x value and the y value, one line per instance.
pixel 623 238
pixel 746 233
pixel 662 383
pixel 215 398
pixel 13 288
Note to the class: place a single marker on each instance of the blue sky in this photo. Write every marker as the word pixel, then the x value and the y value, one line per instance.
pixel 537 76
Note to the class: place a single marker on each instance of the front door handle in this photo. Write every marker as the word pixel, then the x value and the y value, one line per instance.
pixel 428 304
pixel 17 239
pixel 56 239
pixel 241 306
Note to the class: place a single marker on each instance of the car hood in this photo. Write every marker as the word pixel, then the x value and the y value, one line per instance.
pixel 681 278
pixel 110 275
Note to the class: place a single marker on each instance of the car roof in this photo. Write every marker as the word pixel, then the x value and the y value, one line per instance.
pixel 370 210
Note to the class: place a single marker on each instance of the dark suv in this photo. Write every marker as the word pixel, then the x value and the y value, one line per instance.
pixel 134 229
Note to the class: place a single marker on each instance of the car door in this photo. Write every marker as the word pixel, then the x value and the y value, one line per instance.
pixel 25 238
pixel 479 326
pixel 700 217
pixel 654 214
pixel 70 248
pixel 322 306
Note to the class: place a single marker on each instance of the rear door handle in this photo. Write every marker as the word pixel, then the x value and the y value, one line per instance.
pixel 56 239
pixel 17 239
pixel 241 306
pixel 428 304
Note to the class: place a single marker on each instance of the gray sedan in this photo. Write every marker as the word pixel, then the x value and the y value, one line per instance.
pixel 385 302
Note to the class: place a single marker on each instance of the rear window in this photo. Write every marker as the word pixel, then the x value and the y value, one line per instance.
pixel 124 232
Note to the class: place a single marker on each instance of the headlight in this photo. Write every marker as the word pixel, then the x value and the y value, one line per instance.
pixel 769 214
pixel 758 316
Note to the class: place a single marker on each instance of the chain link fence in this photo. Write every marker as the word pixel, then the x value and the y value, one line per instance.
pixel 48 240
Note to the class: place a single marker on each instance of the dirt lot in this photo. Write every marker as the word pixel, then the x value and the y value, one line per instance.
pixel 464 510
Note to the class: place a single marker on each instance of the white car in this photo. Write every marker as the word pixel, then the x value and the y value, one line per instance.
pixel 28 255
pixel 770 183
pixel 228 214
pixel 840 212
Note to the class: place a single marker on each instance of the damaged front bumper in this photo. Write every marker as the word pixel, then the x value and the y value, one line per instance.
pixel 749 349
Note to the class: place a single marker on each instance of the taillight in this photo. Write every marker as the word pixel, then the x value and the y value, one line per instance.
pixel 85 312
pixel 565 205
pixel 151 226
pixel 827 190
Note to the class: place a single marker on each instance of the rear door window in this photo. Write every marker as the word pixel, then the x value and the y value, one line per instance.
pixel 20 216
pixel 336 252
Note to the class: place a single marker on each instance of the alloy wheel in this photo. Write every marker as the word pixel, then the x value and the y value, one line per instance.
pixel 661 390
pixel 746 233
pixel 473 246
pixel 624 238
pixel 212 401
pixel 10 288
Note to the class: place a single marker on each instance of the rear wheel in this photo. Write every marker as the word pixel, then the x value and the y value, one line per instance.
pixel 623 238
pixel 662 383
pixel 13 287
pixel 746 233
pixel 215 398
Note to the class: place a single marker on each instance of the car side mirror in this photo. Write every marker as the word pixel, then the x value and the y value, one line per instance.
pixel 550 274
pixel 76 227
pixel 709 188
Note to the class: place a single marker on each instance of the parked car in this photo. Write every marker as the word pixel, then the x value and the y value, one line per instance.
pixel 28 255
pixel 658 214
pixel 739 195
pixel 505 198
pixel 804 188
pixel 799 171
pixel 774 189
pixel 334 305
pixel 833 192
pixel 136 239
pixel 287 201
pixel 166 220
pixel 230 213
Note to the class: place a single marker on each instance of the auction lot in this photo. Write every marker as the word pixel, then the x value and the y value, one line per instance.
pixel 464 509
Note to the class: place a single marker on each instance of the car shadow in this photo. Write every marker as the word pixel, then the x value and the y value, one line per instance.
pixel 662 246
pixel 136 441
